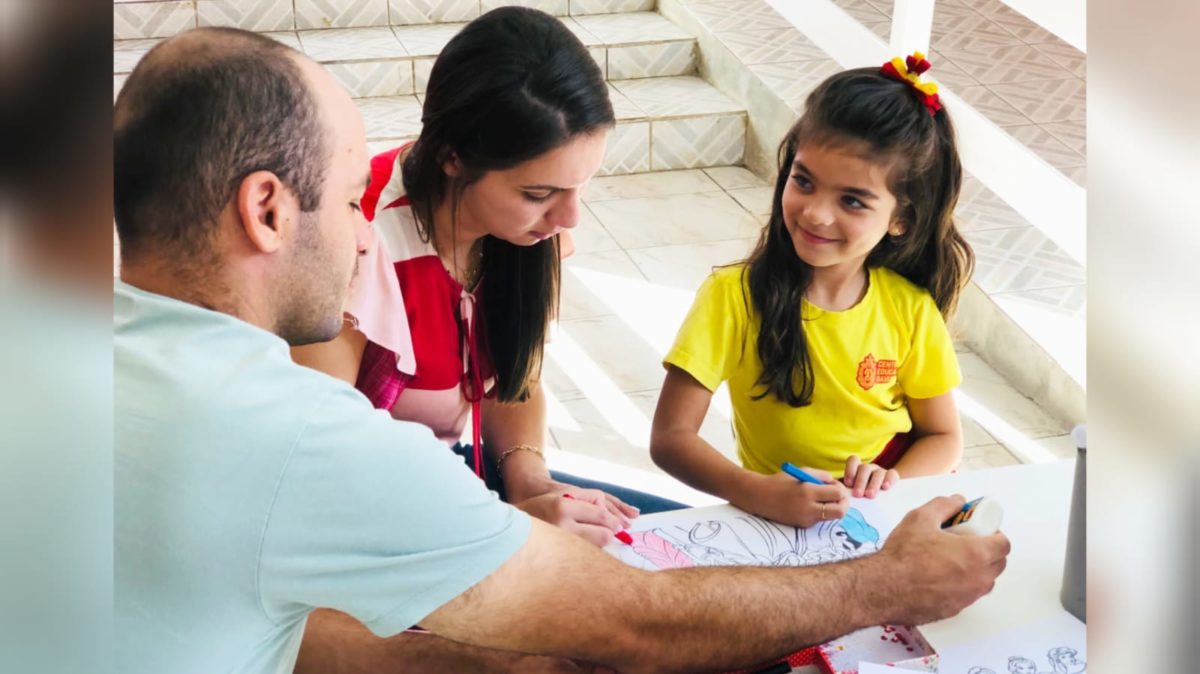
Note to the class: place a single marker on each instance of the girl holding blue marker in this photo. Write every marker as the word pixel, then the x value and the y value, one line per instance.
pixel 831 336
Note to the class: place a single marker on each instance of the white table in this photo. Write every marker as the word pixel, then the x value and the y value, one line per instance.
pixel 1037 502
pixel 1037 505
pixel 1036 499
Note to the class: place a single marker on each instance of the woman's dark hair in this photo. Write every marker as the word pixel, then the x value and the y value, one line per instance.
pixel 513 85
pixel 866 111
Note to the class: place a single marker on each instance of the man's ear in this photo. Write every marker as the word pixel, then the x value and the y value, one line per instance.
pixel 266 209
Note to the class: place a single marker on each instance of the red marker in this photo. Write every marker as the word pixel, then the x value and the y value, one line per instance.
pixel 622 536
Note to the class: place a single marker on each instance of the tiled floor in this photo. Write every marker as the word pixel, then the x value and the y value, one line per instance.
pixel 1015 72
pixel 627 289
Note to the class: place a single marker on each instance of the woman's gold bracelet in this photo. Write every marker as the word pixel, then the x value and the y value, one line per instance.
pixel 515 448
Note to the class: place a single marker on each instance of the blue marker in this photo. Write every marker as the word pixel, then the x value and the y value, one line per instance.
pixel 799 474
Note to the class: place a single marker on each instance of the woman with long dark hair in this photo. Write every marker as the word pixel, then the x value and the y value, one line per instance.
pixel 452 307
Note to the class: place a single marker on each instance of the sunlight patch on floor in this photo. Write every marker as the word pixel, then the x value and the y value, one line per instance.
pixel 1021 445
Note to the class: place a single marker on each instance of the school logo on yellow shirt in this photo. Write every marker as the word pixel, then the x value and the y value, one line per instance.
pixel 872 372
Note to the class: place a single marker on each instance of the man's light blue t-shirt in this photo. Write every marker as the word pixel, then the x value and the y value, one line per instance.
pixel 249 490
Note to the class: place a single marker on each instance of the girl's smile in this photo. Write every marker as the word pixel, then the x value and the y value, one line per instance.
pixel 837 206
pixel 813 238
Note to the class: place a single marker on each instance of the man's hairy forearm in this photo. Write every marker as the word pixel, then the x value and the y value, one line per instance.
pixel 701 619
pixel 335 643
pixel 597 609
pixel 559 596
pixel 723 618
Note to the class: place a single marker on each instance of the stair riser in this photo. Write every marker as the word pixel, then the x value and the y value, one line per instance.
pixel 404 75
pixel 633 146
pixel 164 18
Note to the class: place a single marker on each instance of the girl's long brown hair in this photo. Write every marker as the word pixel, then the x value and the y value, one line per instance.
pixel 861 109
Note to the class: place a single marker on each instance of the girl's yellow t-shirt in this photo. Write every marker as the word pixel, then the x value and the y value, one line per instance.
pixel 867 361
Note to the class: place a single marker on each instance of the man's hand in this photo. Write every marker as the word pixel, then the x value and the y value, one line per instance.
pixel 936 574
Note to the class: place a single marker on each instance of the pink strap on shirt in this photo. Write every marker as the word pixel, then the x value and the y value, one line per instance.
pixel 472 377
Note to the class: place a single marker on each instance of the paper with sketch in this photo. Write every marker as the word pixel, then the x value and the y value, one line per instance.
pixel 725 536
pixel 1056 645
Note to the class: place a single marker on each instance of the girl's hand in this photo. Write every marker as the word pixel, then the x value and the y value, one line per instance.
pixel 867 479
pixel 585 515
pixel 784 499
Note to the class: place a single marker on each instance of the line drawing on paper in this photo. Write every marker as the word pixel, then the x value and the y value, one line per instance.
pixel 748 540
pixel 1063 660
pixel 1055 644
pixel 1020 665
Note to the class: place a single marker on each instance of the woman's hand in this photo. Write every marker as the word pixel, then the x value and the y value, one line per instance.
pixel 583 512
pixel 867 479
pixel 520 490
pixel 784 499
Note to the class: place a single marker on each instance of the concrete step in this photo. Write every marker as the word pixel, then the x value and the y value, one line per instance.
pixel 133 19
pixel 396 60
pixel 663 123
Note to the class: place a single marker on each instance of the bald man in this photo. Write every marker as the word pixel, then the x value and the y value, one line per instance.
pixel 251 491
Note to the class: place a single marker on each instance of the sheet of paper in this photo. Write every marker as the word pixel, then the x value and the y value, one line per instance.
pixel 725 536
pixel 1055 645
pixel 872 668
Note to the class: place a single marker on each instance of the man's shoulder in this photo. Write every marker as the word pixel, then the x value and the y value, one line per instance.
pixel 205 377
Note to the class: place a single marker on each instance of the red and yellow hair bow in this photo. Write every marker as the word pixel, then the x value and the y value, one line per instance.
pixel 909 71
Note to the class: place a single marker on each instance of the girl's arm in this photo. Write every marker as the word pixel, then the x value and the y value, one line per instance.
pixel 338 358
pixel 676 447
pixel 939 438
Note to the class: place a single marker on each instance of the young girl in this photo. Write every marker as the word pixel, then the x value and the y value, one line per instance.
pixel 831 335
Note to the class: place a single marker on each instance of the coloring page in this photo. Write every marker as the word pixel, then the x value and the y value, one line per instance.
pixel 725 536
pixel 1056 645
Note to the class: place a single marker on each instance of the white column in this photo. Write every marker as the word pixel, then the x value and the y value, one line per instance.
pixel 912 22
